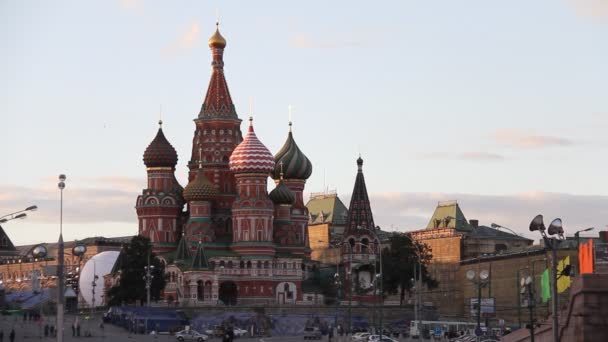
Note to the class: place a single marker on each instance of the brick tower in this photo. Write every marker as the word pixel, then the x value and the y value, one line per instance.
pixel 159 207
pixel 217 133
pixel 360 244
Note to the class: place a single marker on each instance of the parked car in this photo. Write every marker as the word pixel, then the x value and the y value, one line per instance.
pixel 238 332
pixel 360 336
pixel 312 333
pixel 191 335
pixel 377 338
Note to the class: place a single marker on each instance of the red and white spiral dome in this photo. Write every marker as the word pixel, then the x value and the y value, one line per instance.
pixel 251 156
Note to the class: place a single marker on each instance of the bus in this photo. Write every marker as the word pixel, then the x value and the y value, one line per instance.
pixel 439 328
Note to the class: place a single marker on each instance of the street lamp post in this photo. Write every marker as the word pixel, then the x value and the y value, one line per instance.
pixel 60 261
pixel 483 280
pixel 17 214
pixel 555 228
pixel 79 250
pixel 149 269
pixel 338 283
pixel 38 252
pixel 418 298
pixel 577 234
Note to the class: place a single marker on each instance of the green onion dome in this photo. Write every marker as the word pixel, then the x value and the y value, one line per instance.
pixel 295 164
pixel 281 194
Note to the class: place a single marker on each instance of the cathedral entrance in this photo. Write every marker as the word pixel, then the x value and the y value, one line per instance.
pixel 228 293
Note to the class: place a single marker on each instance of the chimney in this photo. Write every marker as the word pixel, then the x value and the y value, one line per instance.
pixel 474 223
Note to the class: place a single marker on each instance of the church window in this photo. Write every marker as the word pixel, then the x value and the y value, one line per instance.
pixel 221 132
pixel 212 132
pixel 285 265
pixel 249 264
pixel 297 237
pixel 265 264
pixel 205 132
pixel 228 132
pixel 222 263
pixel 242 264
pixel 230 264
pixel 259 235
pixel 259 264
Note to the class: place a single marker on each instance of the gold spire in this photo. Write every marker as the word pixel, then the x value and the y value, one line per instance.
pixel 217 41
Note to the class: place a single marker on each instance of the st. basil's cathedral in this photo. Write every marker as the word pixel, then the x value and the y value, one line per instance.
pixel 237 243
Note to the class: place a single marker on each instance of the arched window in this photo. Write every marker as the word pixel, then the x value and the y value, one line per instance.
pixel 230 264
pixel 259 264
pixel 265 264
pixel 364 246
pixel 200 290
pixel 242 264
pixel 222 264
pixel 249 264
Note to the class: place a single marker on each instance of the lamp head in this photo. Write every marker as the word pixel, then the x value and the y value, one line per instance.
pixel 20 216
pixel 556 227
pixel 79 250
pixel 39 251
pixel 470 274
pixel 484 275
pixel 537 224
pixel 62 177
pixel 588 229
pixel 31 208
pixel 494 225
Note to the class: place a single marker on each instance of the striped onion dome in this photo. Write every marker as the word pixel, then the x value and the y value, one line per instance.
pixel 200 189
pixel 160 153
pixel 295 164
pixel 251 156
pixel 281 194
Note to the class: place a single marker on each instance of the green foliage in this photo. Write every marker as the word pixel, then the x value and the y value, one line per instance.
pixel 130 268
pixel 400 264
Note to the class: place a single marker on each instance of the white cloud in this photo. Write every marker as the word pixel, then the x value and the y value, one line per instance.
pixel 136 6
pixel 465 156
pixel 188 39
pixel 520 139
pixel 595 9
pixel 305 41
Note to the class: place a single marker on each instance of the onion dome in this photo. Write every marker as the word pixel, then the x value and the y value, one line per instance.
pixel 160 152
pixel 295 164
pixel 200 189
pixel 281 194
pixel 251 156
pixel 217 40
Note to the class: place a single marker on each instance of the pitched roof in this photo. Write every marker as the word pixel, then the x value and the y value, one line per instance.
pixel 448 215
pixel 485 232
pixel 200 260
pixel 218 103
pixel 182 254
pixel 327 208
pixel 360 211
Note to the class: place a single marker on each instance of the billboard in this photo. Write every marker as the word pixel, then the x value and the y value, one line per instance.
pixel 487 306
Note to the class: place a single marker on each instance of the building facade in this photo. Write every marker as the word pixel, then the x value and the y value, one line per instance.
pixel 224 238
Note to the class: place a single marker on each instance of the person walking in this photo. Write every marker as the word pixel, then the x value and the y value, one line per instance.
pixel 11 337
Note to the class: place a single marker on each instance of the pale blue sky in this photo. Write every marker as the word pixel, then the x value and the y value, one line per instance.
pixel 444 100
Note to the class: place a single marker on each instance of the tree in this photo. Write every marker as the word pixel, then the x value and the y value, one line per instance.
pixel 400 262
pixel 131 286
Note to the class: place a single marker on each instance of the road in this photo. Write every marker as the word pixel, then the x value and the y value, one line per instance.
pixel 31 331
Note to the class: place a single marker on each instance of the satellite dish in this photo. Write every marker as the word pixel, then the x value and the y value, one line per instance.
pixel 484 274
pixel 537 223
pixel 556 227
pixel 470 274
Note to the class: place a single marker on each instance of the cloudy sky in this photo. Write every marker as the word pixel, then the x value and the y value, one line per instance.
pixel 500 105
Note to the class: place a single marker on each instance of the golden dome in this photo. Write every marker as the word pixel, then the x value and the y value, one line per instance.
pixel 217 41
